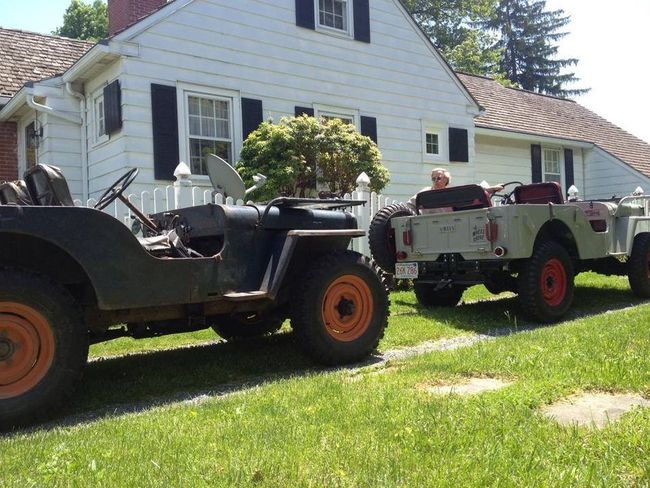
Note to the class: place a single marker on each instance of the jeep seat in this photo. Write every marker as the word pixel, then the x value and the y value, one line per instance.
pixel 48 187
pixel 539 193
pixel 14 193
pixel 456 198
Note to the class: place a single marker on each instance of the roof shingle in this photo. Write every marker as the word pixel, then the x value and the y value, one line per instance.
pixel 28 56
pixel 531 113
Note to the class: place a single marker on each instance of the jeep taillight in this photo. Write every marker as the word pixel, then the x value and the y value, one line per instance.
pixel 406 237
pixel 401 256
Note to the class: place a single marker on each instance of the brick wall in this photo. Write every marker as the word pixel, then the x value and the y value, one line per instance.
pixel 8 151
pixel 123 13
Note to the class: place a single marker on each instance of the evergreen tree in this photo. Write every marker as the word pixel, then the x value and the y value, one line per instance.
pixel 528 35
pixel 85 21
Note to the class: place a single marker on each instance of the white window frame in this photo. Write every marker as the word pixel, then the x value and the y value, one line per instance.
pixel 22 142
pixel 183 92
pixel 338 112
pixel 96 98
pixel 349 11
pixel 560 153
pixel 441 130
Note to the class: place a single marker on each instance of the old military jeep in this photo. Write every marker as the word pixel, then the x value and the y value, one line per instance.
pixel 72 276
pixel 533 244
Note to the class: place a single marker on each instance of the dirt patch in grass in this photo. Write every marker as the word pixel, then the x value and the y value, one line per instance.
pixel 471 386
pixel 594 409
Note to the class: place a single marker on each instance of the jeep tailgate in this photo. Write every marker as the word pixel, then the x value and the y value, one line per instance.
pixel 462 232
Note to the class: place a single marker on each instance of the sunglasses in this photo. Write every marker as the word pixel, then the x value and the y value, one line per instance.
pixel 438 178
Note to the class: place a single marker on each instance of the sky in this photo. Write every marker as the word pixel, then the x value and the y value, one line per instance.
pixel 609 38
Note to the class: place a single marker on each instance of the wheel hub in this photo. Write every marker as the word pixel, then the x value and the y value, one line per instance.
pixel 26 348
pixel 6 349
pixel 554 282
pixel 346 307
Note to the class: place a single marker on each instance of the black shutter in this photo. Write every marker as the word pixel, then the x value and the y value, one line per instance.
pixel 164 113
pixel 568 168
pixel 536 162
pixel 361 20
pixel 458 145
pixel 113 107
pixel 252 115
pixel 369 127
pixel 305 14
pixel 304 111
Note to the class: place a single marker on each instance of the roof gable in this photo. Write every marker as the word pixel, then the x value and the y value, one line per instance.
pixel 526 112
pixel 28 56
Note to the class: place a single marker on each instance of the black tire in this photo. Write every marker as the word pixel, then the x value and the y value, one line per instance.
pixel 340 310
pixel 545 283
pixel 381 237
pixel 447 297
pixel 247 325
pixel 43 346
pixel 639 266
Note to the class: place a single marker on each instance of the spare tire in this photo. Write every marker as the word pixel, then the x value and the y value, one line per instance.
pixel 382 237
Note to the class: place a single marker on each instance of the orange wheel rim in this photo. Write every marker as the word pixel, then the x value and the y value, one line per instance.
pixel 554 282
pixel 347 308
pixel 26 349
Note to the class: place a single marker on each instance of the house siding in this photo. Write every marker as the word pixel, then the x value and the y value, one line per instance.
pixel 254 50
pixel 499 160
pixel 61 143
pixel 606 176
pixel 8 151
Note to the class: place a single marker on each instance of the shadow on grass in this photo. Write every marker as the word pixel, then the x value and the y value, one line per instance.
pixel 138 382
pixel 486 315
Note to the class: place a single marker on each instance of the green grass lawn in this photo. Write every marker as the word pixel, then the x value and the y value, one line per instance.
pixel 303 426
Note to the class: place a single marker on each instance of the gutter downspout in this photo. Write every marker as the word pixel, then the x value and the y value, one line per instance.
pixel 84 139
pixel 50 111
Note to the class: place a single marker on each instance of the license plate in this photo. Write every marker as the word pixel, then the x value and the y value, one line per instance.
pixel 406 271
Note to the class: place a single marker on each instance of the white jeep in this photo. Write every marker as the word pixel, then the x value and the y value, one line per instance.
pixel 533 244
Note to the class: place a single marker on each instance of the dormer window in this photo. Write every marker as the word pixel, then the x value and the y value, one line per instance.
pixel 333 14
pixel 343 18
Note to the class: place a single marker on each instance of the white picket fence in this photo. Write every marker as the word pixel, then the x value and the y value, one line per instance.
pixel 182 194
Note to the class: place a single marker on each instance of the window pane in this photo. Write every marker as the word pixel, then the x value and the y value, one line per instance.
pixel 194 106
pixel 207 107
pixel 207 127
pixel 433 146
pixel 550 177
pixel 195 125
pixel 333 13
pixel 200 149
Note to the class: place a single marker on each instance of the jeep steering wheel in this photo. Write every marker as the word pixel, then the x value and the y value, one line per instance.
pixel 116 189
pixel 506 197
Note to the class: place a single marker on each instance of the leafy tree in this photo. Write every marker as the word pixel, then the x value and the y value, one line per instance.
pixel 528 35
pixel 85 21
pixel 300 152
pixel 451 26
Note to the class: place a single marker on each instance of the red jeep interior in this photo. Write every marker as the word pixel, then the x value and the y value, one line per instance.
pixel 539 193
pixel 456 198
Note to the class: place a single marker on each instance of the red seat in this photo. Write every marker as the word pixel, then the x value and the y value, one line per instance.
pixel 539 193
pixel 455 198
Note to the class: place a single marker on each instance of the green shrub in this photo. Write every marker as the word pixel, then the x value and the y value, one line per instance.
pixel 300 152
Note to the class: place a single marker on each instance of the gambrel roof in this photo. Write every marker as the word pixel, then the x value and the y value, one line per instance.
pixel 28 56
pixel 525 112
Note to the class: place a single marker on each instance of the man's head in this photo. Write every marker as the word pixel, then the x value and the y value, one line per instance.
pixel 440 178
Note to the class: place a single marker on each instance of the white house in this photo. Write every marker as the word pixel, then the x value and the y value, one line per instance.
pixel 204 73
pixel 197 74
